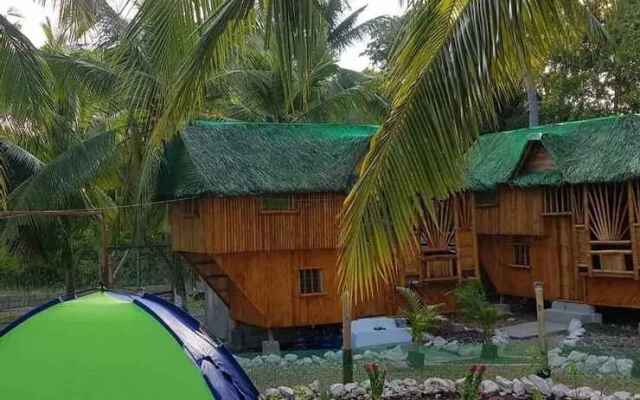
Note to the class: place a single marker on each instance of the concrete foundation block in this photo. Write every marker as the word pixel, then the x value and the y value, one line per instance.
pixel 270 347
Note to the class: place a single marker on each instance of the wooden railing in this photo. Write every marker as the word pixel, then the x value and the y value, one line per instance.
pixel 439 267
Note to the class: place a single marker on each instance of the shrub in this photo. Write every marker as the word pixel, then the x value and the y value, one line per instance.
pixel 377 377
pixel 472 301
pixel 472 381
pixel 421 317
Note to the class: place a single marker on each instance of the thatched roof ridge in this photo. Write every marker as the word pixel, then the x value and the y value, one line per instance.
pixel 244 159
pixel 248 159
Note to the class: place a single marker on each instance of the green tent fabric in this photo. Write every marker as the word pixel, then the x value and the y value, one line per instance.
pixel 105 346
pixel 238 159
pixel 96 348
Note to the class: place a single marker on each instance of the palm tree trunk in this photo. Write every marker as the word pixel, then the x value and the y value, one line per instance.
pixel 532 100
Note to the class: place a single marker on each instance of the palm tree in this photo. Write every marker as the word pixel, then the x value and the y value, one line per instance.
pixel 343 31
pixel 454 61
pixel 254 91
pixel 55 142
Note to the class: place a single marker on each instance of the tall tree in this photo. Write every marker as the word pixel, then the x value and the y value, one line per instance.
pixel 454 62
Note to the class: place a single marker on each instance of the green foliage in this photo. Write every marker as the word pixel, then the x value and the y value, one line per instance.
pixel 472 381
pixel 420 317
pixel 377 376
pixel 472 301
pixel 384 33
pixel 452 64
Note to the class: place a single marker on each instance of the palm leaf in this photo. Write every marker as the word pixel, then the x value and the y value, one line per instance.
pixel 24 86
pixel 455 60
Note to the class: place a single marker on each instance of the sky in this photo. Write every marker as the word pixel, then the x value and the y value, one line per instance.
pixel 33 15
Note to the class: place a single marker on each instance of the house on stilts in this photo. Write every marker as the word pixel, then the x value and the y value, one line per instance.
pixel 258 205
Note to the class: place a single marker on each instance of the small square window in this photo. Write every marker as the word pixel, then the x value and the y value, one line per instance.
pixel 278 203
pixel 311 281
pixel 190 208
pixel 487 198
pixel 521 255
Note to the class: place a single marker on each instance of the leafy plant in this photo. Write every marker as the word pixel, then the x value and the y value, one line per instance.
pixel 539 361
pixel 420 317
pixel 472 381
pixel 472 300
pixel 377 377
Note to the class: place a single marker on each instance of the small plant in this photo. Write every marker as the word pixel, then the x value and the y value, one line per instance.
pixel 472 381
pixel 377 377
pixel 539 361
pixel 421 319
pixel 472 300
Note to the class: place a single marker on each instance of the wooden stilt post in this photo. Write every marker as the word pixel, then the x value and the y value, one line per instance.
pixel 538 287
pixel 347 353
pixel 104 264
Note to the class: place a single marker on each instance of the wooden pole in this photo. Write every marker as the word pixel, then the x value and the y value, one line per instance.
pixel 104 264
pixel 538 287
pixel 347 352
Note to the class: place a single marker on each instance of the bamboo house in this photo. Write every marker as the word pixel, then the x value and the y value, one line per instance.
pixel 258 204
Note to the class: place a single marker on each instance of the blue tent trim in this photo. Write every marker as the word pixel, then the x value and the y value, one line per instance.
pixel 28 315
pixel 222 373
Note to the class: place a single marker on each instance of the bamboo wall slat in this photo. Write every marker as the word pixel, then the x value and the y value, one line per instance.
pixel 237 225
pixel 518 212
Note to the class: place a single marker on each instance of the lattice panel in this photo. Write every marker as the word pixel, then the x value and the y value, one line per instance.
pixel 438 229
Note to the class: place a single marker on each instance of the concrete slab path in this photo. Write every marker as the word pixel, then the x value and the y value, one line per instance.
pixel 529 330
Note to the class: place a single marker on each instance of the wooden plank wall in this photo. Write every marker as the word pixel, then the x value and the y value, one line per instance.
pixel 518 212
pixel 552 261
pixel 236 225
pixel 265 290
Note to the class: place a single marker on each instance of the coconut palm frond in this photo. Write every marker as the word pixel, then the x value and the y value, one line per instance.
pixel 24 76
pixel 455 60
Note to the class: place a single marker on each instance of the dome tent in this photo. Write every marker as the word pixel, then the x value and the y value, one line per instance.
pixel 115 346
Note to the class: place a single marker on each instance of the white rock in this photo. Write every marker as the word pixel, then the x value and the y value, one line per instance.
pixel 307 361
pixel 286 392
pixel 437 385
pixel 489 387
pixel 581 393
pixel 452 347
pixel 570 342
pixel 366 384
pixel 370 355
pixel 624 366
pixel 439 341
pixel 556 361
pixel 257 362
pixel 608 367
pixel 574 325
pixel 529 386
pixel 623 395
pixel 505 384
pixel 357 357
pixel 541 385
pixel 350 387
pixel 291 357
pixel 560 391
pixel 315 386
pixel 410 382
pixel 272 393
pixel 337 390
pixel 592 363
pixel 555 350
pixel 330 355
pixel 518 388
pixel 273 359
pixel 577 356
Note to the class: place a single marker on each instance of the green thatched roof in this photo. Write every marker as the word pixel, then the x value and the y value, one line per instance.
pixel 588 151
pixel 237 159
